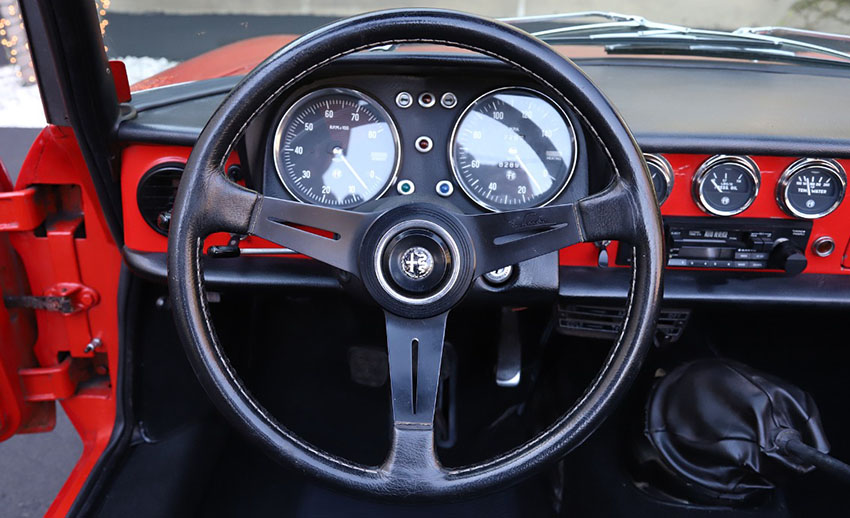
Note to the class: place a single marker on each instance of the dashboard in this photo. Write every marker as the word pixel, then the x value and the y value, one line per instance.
pixel 739 196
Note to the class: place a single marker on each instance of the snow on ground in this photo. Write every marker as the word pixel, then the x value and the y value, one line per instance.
pixel 20 106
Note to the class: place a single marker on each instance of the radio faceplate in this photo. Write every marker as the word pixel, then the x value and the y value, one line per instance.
pixel 735 243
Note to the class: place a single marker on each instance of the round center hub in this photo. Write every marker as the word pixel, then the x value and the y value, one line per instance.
pixel 416 261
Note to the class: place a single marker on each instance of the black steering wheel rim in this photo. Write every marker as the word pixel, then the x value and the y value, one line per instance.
pixel 207 202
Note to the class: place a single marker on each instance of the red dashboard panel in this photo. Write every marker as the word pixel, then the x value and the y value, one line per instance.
pixel 138 235
pixel 681 203
pixel 138 159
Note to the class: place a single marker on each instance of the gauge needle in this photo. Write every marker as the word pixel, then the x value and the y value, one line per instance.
pixel 809 186
pixel 716 186
pixel 527 172
pixel 338 152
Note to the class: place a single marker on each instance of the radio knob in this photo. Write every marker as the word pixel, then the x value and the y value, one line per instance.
pixel 786 256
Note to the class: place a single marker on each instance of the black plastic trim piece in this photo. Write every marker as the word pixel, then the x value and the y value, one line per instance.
pixel 686 287
pixel 244 272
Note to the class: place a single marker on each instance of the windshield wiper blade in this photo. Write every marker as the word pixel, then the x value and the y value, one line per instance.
pixel 765 33
pixel 636 28
pixel 707 49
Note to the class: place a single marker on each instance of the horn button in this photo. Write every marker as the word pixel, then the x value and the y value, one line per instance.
pixel 416 261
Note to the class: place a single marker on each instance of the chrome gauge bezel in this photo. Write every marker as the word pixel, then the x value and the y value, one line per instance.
pixel 666 170
pixel 801 165
pixel 699 177
pixel 573 140
pixel 294 107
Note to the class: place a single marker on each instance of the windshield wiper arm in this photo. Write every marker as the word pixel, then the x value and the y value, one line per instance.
pixel 637 28
pixel 569 16
pixel 720 50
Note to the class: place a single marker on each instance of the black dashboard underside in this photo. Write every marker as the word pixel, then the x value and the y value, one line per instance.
pixel 681 287
pixel 675 106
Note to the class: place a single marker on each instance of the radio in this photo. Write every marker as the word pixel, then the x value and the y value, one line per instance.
pixel 739 243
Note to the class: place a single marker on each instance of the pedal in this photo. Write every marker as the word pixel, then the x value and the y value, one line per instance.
pixel 509 359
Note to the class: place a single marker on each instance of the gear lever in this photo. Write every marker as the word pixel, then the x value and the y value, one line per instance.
pixel 723 432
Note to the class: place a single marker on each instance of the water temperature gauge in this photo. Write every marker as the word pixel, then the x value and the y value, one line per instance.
pixel 811 188
pixel 726 185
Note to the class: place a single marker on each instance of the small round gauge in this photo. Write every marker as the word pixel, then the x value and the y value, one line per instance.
pixel 811 188
pixel 662 176
pixel 337 148
pixel 513 148
pixel 726 185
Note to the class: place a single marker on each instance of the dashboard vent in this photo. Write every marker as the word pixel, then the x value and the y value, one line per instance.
pixel 155 195
pixel 606 322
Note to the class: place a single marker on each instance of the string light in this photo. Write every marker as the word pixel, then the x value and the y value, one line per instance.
pixel 13 37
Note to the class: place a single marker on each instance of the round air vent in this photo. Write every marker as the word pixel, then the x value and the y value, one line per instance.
pixel 156 192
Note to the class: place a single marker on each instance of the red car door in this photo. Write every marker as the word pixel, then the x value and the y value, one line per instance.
pixel 59 278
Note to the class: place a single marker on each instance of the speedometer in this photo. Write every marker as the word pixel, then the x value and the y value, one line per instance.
pixel 336 147
pixel 513 148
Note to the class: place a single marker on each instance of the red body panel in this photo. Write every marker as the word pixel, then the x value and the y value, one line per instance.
pixel 231 60
pixel 55 159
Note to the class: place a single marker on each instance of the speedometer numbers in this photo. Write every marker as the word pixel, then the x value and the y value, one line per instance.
pixel 811 188
pixel 513 148
pixel 726 185
pixel 337 148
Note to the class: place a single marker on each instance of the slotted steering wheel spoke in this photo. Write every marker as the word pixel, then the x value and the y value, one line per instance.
pixel 415 350
pixel 328 235
pixel 507 238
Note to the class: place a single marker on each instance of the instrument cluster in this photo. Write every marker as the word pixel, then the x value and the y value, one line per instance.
pixel 509 148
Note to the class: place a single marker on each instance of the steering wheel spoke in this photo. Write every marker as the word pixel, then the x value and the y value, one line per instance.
pixel 415 350
pixel 506 238
pixel 328 235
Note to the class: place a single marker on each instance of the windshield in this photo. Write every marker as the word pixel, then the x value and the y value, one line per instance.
pixel 153 36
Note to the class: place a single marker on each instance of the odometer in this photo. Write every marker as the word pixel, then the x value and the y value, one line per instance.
pixel 726 185
pixel 811 188
pixel 513 148
pixel 337 148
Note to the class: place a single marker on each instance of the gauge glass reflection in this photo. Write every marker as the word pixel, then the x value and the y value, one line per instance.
pixel 513 148
pixel 337 148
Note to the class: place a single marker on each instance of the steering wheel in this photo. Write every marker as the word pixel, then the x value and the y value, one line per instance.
pixel 368 244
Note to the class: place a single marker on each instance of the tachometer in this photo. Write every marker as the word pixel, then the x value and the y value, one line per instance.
pixel 513 148
pixel 336 147
pixel 726 185
pixel 811 188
